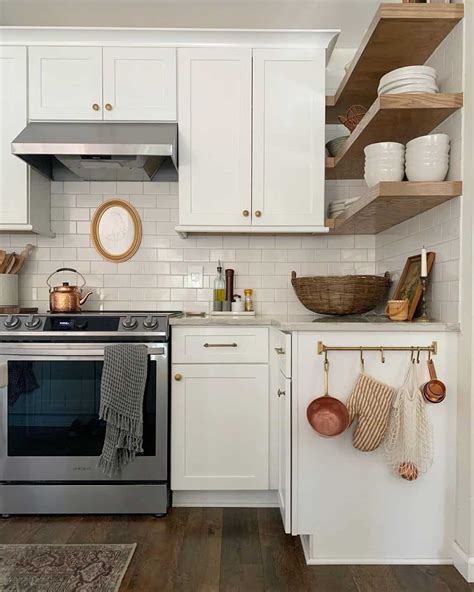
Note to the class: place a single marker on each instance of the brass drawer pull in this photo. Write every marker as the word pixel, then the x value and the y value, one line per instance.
pixel 178 377
pixel 279 350
pixel 220 345
pixel 280 392
pixel 96 107
pixel 108 106
pixel 245 213
pixel 258 213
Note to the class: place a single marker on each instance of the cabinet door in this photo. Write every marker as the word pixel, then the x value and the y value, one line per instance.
pixel 219 427
pixel 13 118
pixel 215 122
pixel 284 450
pixel 139 83
pixel 65 83
pixel 288 137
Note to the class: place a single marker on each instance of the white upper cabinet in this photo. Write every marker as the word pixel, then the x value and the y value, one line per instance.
pixel 215 136
pixel 65 83
pixel 24 193
pixel 95 83
pixel 288 137
pixel 13 172
pixel 139 83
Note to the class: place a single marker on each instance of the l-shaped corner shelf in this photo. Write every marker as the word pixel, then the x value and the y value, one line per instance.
pixel 395 118
pixel 389 203
pixel 399 35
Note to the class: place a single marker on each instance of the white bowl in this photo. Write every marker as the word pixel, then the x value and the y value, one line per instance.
pixel 411 82
pixel 408 71
pixel 405 79
pixel 427 172
pixel 373 177
pixel 386 159
pixel 384 148
pixel 430 140
pixel 428 149
pixel 411 89
pixel 412 158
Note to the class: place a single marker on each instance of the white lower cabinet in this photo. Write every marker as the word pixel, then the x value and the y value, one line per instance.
pixel 284 450
pixel 219 427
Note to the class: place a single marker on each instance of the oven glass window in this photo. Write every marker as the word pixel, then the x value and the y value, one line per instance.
pixel 53 409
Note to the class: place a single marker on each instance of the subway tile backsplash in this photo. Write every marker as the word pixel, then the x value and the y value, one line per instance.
pixel 157 276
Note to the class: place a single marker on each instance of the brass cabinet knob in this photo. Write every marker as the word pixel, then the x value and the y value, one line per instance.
pixel 245 213
pixel 108 106
pixel 95 106
pixel 280 392
pixel 258 213
pixel 178 376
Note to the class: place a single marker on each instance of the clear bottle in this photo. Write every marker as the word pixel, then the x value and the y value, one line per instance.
pixel 219 285
pixel 248 300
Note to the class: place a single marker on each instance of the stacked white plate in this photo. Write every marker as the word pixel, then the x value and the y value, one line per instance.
pixel 336 207
pixel 427 158
pixel 384 161
pixel 410 79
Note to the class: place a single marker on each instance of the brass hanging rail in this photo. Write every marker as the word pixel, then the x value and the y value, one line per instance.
pixel 433 348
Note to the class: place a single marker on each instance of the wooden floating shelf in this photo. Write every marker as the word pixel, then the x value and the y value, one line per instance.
pixel 388 204
pixel 394 118
pixel 399 35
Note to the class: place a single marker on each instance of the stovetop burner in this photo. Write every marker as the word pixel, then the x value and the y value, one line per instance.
pixel 87 325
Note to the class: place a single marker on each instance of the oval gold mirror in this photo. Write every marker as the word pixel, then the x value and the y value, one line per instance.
pixel 116 230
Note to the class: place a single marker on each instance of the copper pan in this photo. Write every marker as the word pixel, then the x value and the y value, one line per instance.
pixel 327 415
pixel 434 391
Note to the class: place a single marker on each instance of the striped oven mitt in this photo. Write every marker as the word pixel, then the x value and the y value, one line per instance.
pixel 369 404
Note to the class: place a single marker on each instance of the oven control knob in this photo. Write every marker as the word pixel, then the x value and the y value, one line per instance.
pixel 129 323
pixel 32 322
pixel 12 322
pixel 150 323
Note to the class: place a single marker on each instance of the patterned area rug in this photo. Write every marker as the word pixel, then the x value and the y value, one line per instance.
pixel 63 568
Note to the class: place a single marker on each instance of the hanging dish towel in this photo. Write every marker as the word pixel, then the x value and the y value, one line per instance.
pixel 369 404
pixel 121 404
pixel 409 438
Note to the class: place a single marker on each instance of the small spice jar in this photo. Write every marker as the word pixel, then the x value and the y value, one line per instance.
pixel 248 300
pixel 237 305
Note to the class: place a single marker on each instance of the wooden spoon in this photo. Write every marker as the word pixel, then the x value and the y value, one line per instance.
pixel 11 263
pixel 6 262
pixel 21 258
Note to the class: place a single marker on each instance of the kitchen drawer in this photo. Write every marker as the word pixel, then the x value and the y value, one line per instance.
pixel 283 353
pixel 220 345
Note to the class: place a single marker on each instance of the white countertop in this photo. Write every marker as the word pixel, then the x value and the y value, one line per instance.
pixel 314 323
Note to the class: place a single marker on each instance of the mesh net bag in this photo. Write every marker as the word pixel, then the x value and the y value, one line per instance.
pixel 409 438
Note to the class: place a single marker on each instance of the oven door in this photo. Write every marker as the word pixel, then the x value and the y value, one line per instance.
pixel 49 424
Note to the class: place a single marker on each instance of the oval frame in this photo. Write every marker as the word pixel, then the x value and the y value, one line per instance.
pixel 137 239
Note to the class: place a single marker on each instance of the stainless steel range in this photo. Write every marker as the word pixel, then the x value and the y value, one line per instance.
pixel 50 434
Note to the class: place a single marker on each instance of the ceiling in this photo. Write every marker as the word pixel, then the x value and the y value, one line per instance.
pixel 351 16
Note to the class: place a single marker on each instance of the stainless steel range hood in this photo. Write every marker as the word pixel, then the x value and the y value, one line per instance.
pixel 100 151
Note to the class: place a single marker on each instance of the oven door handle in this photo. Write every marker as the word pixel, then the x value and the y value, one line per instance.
pixel 65 351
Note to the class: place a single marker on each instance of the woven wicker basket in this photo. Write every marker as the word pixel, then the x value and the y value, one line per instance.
pixel 341 295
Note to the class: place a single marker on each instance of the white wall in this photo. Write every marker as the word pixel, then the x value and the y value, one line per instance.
pixel 349 16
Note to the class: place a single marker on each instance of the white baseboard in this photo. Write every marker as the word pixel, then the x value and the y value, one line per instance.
pixel 225 499
pixel 306 543
pixel 463 563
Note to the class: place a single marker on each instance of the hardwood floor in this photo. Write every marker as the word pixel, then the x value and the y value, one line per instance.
pixel 212 549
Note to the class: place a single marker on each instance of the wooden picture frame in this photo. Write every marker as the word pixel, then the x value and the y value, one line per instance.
pixel 116 230
pixel 409 284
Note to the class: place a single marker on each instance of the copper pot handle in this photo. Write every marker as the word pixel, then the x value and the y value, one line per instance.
pixel 67 269
pixel 326 378
pixel 431 370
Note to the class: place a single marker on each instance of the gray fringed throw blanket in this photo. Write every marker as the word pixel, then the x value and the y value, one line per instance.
pixel 121 404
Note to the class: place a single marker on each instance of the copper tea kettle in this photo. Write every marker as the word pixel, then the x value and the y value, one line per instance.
pixel 66 298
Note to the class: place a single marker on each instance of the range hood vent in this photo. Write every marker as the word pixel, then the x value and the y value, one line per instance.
pixel 100 151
